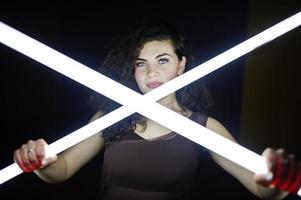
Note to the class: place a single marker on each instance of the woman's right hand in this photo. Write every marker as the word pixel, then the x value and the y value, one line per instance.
pixel 32 156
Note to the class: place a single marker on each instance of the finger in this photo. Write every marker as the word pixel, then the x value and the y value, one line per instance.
pixel 268 150
pixel 24 151
pixel 24 157
pixel 288 175
pixel 292 169
pixel 40 149
pixel 35 163
pixel 269 155
pixel 18 159
pixel 266 179
pixel 293 181
pixel 262 180
pixel 42 154
pixel 31 152
pixel 280 151
pixel 282 155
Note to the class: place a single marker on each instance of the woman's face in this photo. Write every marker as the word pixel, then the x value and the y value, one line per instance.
pixel 157 64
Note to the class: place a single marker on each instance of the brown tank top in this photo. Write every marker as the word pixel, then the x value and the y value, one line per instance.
pixel 164 168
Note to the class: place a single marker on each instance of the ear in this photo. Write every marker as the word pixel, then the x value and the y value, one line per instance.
pixel 182 66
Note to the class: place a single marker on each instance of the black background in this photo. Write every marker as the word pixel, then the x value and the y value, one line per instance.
pixel 37 102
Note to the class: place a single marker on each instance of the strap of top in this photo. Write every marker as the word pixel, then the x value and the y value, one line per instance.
pixel 200 118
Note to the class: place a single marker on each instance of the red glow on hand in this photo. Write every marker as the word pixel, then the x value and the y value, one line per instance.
pixel 287 175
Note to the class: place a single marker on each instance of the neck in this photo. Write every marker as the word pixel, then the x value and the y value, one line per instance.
pixel 171 102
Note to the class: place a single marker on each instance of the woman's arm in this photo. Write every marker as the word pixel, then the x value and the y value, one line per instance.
pixel 63 166
pixel 245 176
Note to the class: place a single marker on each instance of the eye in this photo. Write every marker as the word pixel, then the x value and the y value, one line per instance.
pixel 140 64
pixel 163 60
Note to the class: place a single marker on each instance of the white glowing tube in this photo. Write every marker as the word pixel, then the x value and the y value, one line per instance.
pixel 229 55
pixel 196 132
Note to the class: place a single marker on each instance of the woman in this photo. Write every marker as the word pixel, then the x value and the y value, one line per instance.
pixel 142 159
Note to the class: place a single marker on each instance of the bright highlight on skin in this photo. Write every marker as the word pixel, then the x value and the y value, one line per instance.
pixel 148 108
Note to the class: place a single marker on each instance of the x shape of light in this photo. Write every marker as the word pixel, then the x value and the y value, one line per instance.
pixel 144 104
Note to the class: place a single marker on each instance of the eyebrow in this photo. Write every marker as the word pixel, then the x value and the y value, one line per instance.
pixel 158 56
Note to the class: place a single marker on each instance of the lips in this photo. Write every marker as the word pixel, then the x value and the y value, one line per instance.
pixel 153 84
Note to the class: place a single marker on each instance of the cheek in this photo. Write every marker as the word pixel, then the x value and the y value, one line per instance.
pixel 171 75
pixel 138 76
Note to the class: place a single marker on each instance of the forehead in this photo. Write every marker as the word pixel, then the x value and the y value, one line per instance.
pixel 154 48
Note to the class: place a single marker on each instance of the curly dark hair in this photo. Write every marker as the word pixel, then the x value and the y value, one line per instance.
pixel 119 65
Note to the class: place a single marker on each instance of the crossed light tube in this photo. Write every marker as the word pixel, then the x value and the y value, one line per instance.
pixel 144 104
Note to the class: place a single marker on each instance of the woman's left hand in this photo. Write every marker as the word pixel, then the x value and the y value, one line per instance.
pixel 285 171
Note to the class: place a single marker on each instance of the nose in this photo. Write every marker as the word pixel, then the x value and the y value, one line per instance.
pixel 152 70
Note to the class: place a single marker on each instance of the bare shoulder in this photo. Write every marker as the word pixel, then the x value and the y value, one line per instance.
pixel 219 128
pixel 96 115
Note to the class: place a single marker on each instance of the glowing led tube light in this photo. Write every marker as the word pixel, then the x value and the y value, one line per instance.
pixel 157 108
